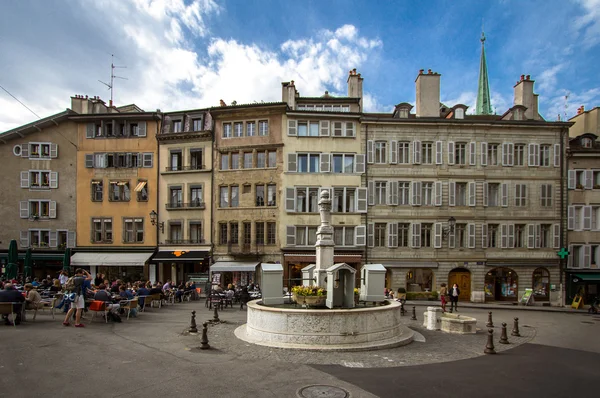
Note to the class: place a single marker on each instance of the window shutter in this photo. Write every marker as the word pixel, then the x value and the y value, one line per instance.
pixel 53 179
pixel 416 193
pixel 361 200
pixel 370 152
pixel 371 234
pixel 471 235
pixel 484 235
pixel 484 150
pixel 472 154
pixel 556 155
pixel 504 192
pixel 292 162
pixel 452 239
pixel 359 164
pixel 450 152
pixel 503 236
pixel 325 162
pixel 24 179
pixel 24 238
pixel 587 217
pixel 292 129
pixel 392 230
pixel 71 239
pixel 24 209
pixel 531 157
pixel 359 235
pixel 511 236
pixel 504 154
pixel 531 236
pixel 556 236
pixel 589 179
pixel 437 235
pixel 416 235
pixel 572 179
pixel 324 130
pixel 53 150
pixel 392 190
pixel 52 209
pixel 53 239
pixel 89 160
pixel 290 235
pixel 538 235
pixel 416 152
pixel 571 218
pixel 439 152
pixel 371 188
pixel 587 256
pixel 437 190
pixel 452 193
pixel 290 200
pixel 25 150
pixel 90 130
pixel 472 194
pixel 141 129
pixel 129 160
pixel 511 154
pixel 393 152
pixel 485 193
pixel 570 257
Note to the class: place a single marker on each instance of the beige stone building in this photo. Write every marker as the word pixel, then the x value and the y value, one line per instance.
pixel 184 196
pixel 582 274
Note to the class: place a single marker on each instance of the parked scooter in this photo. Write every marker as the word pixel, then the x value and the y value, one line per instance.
pixel 595 306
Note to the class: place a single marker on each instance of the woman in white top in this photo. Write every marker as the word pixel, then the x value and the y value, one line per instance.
pixel 63 277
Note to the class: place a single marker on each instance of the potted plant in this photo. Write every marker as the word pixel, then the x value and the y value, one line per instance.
pixel 356 295
pixel 579 186
pixel 309 295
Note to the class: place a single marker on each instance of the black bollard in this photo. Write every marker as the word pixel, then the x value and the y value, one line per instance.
pixel 489 347
pixel 490 323
pixel 193 328
pixel 515 331
pixel 414 315
pixel 216 315
pixel 503 336
pixel 402 310
pixel 204 341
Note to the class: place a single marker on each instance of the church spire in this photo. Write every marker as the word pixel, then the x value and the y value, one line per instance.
pixel 484 104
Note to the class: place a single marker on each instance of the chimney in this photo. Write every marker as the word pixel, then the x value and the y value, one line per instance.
pixel 524 96
pixel 81 104
pixel 288 94
pixel 355 87
pixel 428 94
pixel 222 103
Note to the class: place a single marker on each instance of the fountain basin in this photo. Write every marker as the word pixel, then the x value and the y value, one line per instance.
pixel 352 329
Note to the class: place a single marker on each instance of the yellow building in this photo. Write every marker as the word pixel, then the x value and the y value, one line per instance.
pixel 116 188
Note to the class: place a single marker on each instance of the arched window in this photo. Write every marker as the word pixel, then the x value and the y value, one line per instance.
pixel 459 113
pixel 541 284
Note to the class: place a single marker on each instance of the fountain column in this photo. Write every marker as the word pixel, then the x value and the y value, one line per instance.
pixel 325 244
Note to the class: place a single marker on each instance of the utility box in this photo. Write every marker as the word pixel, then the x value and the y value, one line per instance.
pixel 271 283
pixel 308 275
pixel 372 282
pixel 340 286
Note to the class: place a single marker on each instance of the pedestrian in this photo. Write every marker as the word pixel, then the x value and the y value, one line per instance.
pixel 454 293
pixel 78 298
pixel 443 294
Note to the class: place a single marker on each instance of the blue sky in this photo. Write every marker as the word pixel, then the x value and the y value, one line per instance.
pixel 183 54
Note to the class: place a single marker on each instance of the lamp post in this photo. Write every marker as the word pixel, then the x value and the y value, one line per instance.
pixel 451 225
pixel 153 221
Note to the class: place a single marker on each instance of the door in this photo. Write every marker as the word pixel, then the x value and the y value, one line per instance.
pixel 463 279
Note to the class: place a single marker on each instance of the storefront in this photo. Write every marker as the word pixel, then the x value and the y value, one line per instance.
pixel 238 273
pixel 583 283
pixel 420 280
pixel 127 266
pixel 45 262
pixel 178 265
pixel 501 284
pixel 541 284
pixel 294 262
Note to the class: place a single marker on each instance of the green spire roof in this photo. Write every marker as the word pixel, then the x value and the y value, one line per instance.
pixel 484 104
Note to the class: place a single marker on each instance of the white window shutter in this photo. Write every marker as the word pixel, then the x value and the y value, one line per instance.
pixel 538 236
pixel 90 130
pixel 324 130
pixel 24 238
pixel 556 236
pixel 325 162
pixel 290 232
pixel 89 160
pixel 53 179
pixel 437 187
pixel 556 155
pixel 505 154
pixel 416 235
pixel 572 181
pixel 503 236
pixel 531 236
pixel 141 129
pixel 484 235
pixel 52 209
pixel 371 188
pixel 587 256
pixel 452 193
pixel 484 150
pixel 290 200
pixel 587 217
pixel 437 235
pixel 392 231
pixel 361 200
pixel 24 209
pixel 24 179
pixel 292 162
pixel 485 193
pixel 589 179
pixel 452 239
pixel 360 235
pixel 570 257
pixel 388 190
pixel 416 193
pixel 371 234
pixel 571 218
pixel 25 150
pixel 53 235
pixel 392 189
pixel 511 236
pixel 359 164
pixel 439 152
pixel 472 153
pixel 471 236
pixel 53 150
pixel 71 239
pixel 472 194
pixel 393 152
pixel 416 152
pixel 504 193
pixel 292 131
pixel 370 152
pixel 450 152
pixel 511 154
pixel 531 157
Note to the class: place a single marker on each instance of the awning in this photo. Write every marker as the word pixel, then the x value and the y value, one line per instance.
pixel 140 186
pixel 588 277
pixel 108 259
pixel 233 266
pixel 180 256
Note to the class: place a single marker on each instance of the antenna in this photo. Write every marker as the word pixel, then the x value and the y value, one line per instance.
pixel 113 77
pixel 567 104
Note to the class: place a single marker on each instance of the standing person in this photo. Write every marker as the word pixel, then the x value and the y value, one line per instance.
pixel 454 293
pixel 79 297
pixel 98 280
pixel 443 294
pixel 63 277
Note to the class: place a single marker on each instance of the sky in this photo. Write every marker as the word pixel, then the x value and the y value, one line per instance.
pixel 186 54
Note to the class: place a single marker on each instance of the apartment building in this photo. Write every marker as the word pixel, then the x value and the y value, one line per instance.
pixel 582 274
pixel 322 151
pixel 37 204
pixel 469 199
pixel 184 196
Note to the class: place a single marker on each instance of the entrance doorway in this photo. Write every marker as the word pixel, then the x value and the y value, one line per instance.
pixel 501 284
pixel 462 277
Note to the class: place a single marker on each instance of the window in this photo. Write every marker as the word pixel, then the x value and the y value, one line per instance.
pixel 62 239
pixel 545 235
pixel 260 233
pixel 403 152
pixel 134 131
pixel 41 209
pixel 97 190
pixel 493 191
pixel 224 197
pixel 380 192
pixel 260 160
pixel 227 133
pixel 404 193
pixel 197 125
pixel 272 159
pixel 460 152
pixel 238 129
pixel 223 234
pixel 177 126
pixel 119 191
pixel 196 232
pixel 579 179
pixel 343 236
pixel 247 233
pixel 519 154
pixel 459 113
pixel 141 190
pixel 234 232
pixel 39 179
pixel 344 200
pixel 460 236
pixel 380 234
pixel 519 236
pixel 427 153
pixel 461 194
pixel 380 152
pixel 39 238
pixel 520 195
pixel 546 195
pixel 577 256
pixel 41 150
pixel 176 197
pixel 235 161
pixel 545 155
pixel 427 194
pixel 271 233
pixel 426 235
pixel 224 161
pixel 176 232
pixel 492 237
pixel 586 142
pixel 102 230
pixel 196 196
pixel 307 200
pixel 260 195
pixel 343 129
pixel 196 159
pixel 229 196
pixel 176 160
pixel 308 163
pixel 403 234
pixel 250 129
pixel 133 230
pixel 263 127
pixel 492 157
pixel 308 128
pixel 248 160
pixel 306 236
pixel 343 163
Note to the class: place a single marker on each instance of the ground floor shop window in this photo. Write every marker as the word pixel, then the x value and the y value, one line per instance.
pixel 541 284
pixel 501 284
pixel 419 280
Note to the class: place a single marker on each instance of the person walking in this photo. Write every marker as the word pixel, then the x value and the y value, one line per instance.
pixel 454 293
pixel 78 296
pixel 443 294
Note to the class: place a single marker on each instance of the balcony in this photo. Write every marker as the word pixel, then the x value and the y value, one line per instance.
pixel 185 241
pixel 185 168
pixel 195 205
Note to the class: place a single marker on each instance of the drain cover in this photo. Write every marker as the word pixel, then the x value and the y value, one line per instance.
pixel 322 392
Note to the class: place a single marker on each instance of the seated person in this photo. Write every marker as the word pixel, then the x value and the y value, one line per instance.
pixel 12 295
pixel 45 284
pixel 56 287
pixel 155 290
pixel 179 292
pixel 141 293
pixel 115 287
pixel 33 300
pixel 35 282
pixel 126 294
pixel 103 295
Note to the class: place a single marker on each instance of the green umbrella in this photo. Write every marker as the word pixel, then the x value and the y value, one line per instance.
pixel 12 268
pixel 28 269
pixel 67 260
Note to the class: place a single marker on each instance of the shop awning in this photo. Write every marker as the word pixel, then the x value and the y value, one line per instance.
pixel 110 259
pixel 588 277
pixel 179 256
pixel 233 266
pixel 140 186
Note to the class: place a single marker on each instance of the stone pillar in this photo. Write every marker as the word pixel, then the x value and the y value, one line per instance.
pixel 93 270
pixel 152 272
pixel 325 244
pixel 173 272
pixel 434 318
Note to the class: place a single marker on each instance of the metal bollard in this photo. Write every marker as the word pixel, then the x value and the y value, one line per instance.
pixel 402 310
pixel 193 328
pixel 503 336
pixel 414 315
pixel 216 315
pixel 489 347
pixel 490 323
pixel 204 341
pixel 515 331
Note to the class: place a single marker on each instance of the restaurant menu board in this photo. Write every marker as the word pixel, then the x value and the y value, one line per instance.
pixel 577 302
pixel 216 279
pixel 527 296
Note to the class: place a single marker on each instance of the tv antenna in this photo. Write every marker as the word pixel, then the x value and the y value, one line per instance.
pixel 113 77
pixel 567 104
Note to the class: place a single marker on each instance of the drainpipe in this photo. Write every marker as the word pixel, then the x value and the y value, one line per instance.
pixel 212 189
pixel 158 131
pixel 564 203
pixel 367 186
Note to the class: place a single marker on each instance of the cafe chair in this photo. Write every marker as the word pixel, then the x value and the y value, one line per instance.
pixel 129 305
pixel 99 306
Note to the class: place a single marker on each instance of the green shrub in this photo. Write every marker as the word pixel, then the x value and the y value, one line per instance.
pixel 421 295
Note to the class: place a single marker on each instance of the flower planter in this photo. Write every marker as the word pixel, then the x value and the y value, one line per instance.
pixel 311 301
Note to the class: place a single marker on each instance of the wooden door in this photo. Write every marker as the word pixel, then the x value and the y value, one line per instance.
pixel 463 280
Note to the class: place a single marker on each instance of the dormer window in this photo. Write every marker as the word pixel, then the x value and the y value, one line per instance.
pixel 459 113
pixel 404 113
pixel 586 142
pixel 177 126
pixel 518 114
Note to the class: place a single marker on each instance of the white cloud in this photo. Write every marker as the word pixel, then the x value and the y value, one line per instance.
pixel 547 80
pixel 556 104
pixel 589 22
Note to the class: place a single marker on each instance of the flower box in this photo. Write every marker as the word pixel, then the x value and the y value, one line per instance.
pixel 311 301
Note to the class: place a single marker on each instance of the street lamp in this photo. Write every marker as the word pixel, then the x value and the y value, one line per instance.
pixel 451 225
pixel 153 221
